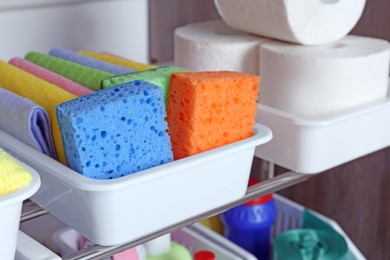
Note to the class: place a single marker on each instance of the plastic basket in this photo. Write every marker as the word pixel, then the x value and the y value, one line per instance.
pixel 290 214
pixel 10 212
pixel 111 212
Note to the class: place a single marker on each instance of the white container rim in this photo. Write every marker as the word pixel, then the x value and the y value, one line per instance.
pixel 326 120
pixel 23 193
pixel 22 4
pixel 19 149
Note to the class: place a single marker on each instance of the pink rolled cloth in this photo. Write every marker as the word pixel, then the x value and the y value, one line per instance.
pixel 51 77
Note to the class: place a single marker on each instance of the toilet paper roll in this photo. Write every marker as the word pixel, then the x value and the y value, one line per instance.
pixel 319 80
pixel 306 22
pixel 212 45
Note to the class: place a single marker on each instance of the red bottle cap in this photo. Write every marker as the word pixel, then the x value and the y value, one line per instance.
pixel 204 255
pixel 260 200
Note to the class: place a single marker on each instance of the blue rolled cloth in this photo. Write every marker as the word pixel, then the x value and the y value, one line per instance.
pixel 26 121
pixel 76 57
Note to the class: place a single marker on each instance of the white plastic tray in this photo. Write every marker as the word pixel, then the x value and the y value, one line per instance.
pixel 111 212
pixel 10 212
pixel 29 249
pixel 307 145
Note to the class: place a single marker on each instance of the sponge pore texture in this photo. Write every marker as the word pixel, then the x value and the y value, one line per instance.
pixel 207 110
pixel 116 132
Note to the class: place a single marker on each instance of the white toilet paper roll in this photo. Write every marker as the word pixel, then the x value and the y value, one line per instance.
pixel 212 45
pixel 319 80
pixel 306 22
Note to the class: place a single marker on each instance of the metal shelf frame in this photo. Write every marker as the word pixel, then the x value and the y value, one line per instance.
pixel 287 179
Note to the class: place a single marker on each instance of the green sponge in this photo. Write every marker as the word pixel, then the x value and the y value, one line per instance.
pixel 158 76
pixel 86 76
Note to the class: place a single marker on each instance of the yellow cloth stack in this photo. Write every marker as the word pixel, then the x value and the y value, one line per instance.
pixel 13 175
pixel 118 60
pixel 40 92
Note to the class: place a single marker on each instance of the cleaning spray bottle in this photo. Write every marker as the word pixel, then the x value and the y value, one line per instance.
pixel 249 225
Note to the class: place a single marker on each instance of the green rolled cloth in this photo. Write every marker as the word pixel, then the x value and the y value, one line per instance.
pixel 158 76
pixel 310 244
pixel 315 240
pixel 86 76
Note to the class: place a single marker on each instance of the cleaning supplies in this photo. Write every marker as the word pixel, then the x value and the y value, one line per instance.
pixel 159 76
pixel 27 121
pixel 162 248
pixel 76 57
pixel 206 110
pixel 204 255
pixel 313 244
pixel 41 93
pixel 115 59
pixel 49 76
pixel 86 76
pixel 249 225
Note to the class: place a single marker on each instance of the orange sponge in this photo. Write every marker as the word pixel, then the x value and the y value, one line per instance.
pixel 206 110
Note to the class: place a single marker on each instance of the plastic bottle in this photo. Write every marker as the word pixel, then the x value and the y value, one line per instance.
pixel 204 255
pixel 162 248
pixel 249 225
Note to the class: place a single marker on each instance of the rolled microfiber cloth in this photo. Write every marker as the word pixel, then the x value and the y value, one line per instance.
pixel 207 110
pixel 88 61
pixel 26 121
pixel 117 131
pixel 13 175
pixel 40 92
pixel 159 76
pixel 51 77
pixel 117 60
pixel 86 76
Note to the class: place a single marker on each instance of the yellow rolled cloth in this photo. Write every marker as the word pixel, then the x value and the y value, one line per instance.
pixel 40 92
pixel 117 60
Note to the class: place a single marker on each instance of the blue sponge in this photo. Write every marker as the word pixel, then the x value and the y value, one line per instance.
pixel 116 131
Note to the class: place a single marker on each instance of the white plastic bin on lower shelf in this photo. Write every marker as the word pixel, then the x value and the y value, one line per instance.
pixel 194 238
pixel 111 212
pixel 197 237
pixel 307 145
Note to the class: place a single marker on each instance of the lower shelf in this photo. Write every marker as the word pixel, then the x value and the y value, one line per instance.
pixel 195 237
pixel 99 252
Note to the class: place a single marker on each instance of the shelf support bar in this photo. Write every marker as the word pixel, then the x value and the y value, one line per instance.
pixel 268 186
pixel 31 210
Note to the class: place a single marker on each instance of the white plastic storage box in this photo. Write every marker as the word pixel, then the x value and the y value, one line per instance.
pixel 29 249
pixel 111 212
pixel 308 145
pixel 289 216
pixel 117 26
pixel 10 212
pixel 195 238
